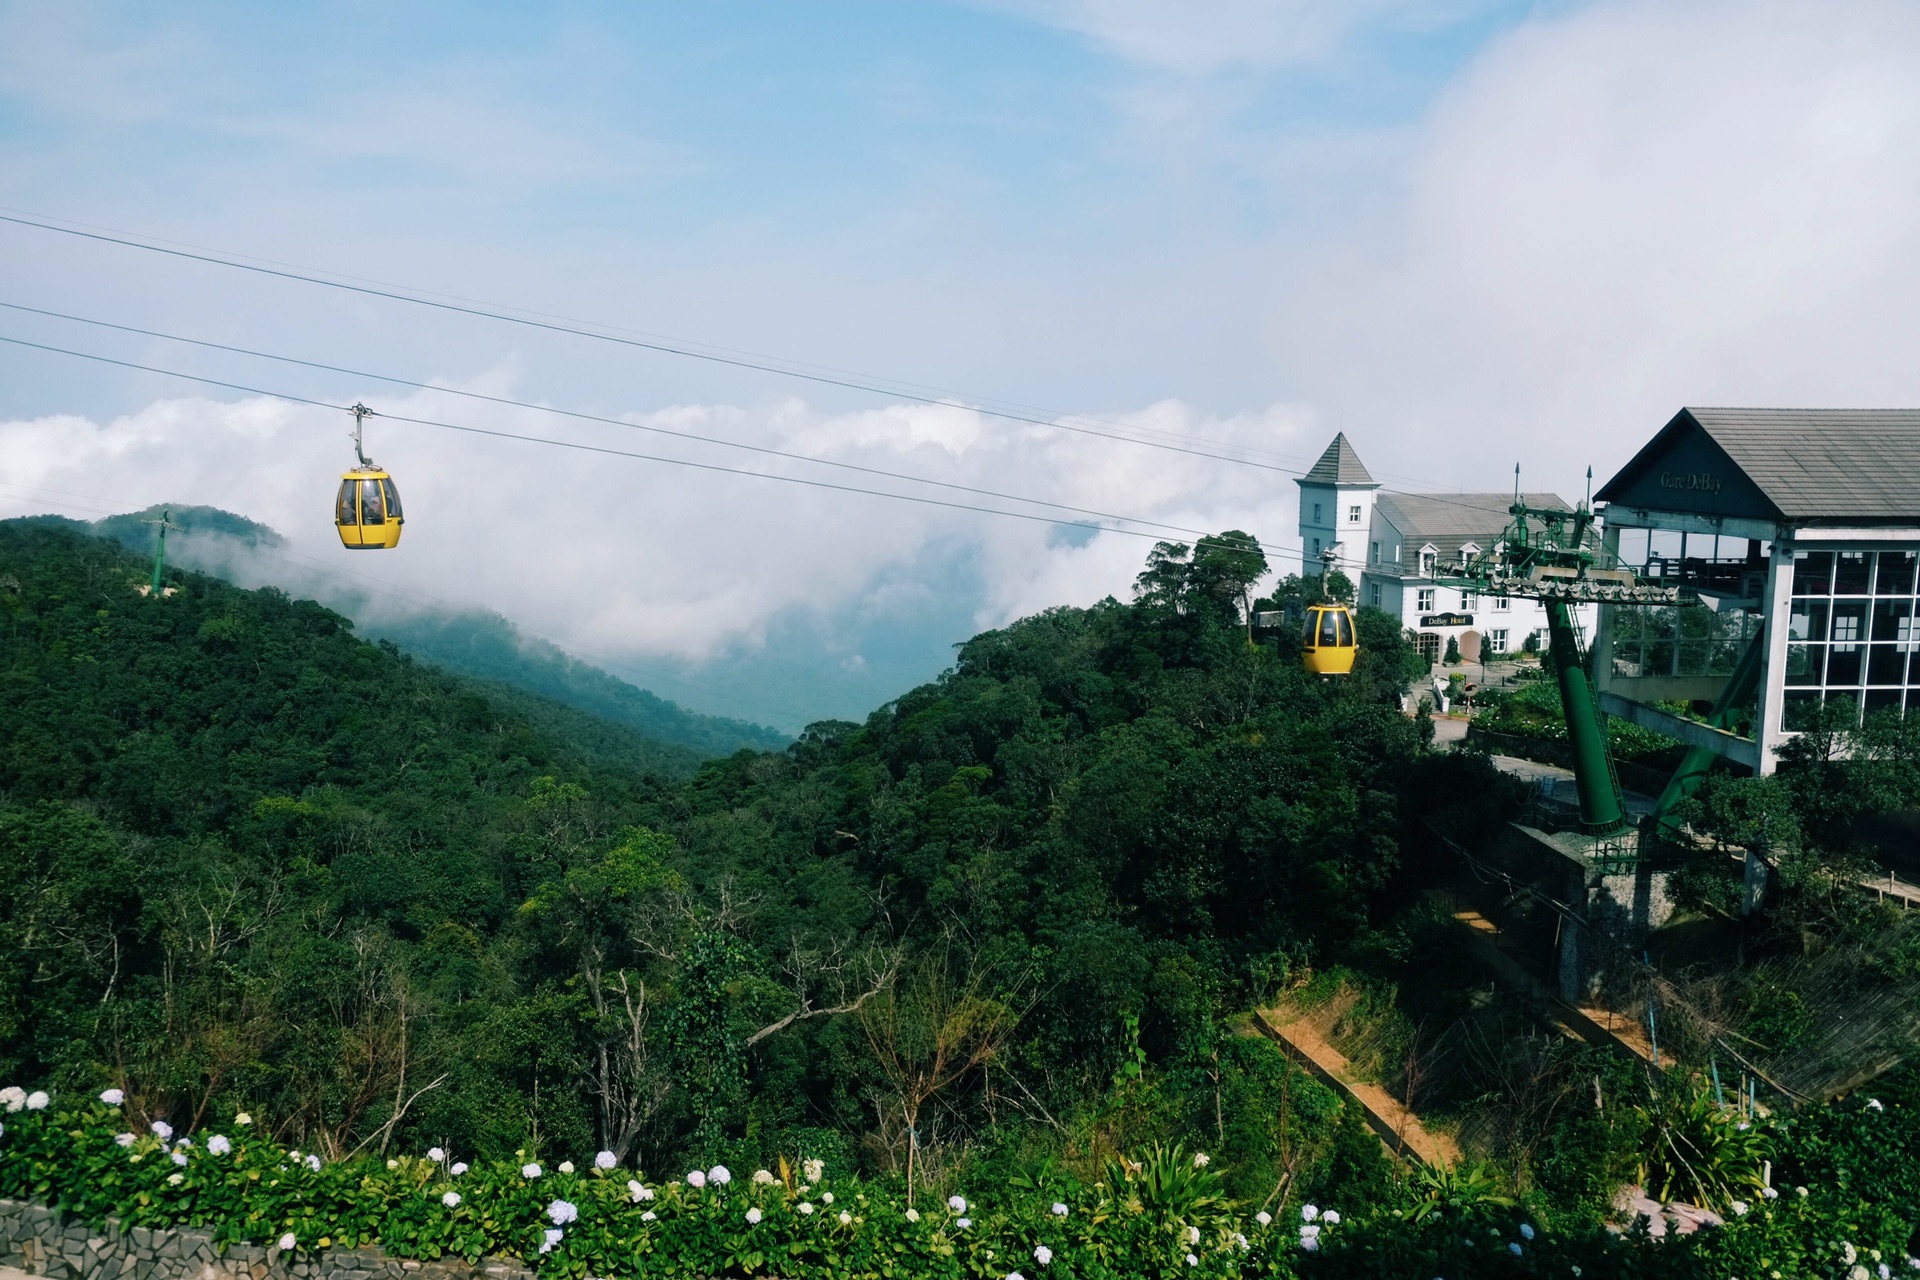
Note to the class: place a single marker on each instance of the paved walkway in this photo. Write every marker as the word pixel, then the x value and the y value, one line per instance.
pixel 1398 1127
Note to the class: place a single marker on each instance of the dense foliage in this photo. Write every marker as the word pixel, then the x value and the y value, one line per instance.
pixel 1163 1215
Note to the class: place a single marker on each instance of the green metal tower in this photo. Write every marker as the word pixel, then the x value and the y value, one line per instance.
pixel 1551 555
pixel 161 526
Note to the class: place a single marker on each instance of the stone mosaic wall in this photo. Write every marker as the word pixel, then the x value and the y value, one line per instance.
pixel 46 1242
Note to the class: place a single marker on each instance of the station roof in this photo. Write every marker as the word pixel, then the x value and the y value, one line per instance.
pixel 1339 465
pixel 1793 466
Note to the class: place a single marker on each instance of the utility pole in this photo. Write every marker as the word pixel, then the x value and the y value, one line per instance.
pixel 160 548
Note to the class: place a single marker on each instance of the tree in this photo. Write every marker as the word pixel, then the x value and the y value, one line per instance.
pixel 1452 658
pixel 1225 566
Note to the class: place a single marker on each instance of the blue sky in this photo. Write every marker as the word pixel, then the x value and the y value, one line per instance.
pixel 1468 233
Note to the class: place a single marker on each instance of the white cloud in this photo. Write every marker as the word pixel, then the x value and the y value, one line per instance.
pixel 1198 36
pixel 647 560
pixel 1624 210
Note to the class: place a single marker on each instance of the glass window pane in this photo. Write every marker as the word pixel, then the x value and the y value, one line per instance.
pixel 1846 703
pixel 1329 630
pixel 1346 630
pixel 393 498
pixel 1882 700
pixel 1798 708
pixel 1852 571
pixel 343 512
pixel 1806 663
pixel 1808 621
pixel 1633 547
pixel 1849 626
pixel 372 507
pixel 1893 620
pixel 1813 573
pixel 1845 665
pixel 1664 544
pixel 1886 664
pixel 1895 574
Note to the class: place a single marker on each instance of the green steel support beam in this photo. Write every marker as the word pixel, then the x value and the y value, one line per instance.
pixel 1600 811
pixel 1698 761
pixel 160 551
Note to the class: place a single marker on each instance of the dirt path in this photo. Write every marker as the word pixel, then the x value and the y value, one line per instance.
pixel 1398 1127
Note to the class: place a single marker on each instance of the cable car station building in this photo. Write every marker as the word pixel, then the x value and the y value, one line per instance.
pixel 1799 531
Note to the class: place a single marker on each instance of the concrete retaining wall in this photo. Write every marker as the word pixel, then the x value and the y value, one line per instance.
pixel 46 1242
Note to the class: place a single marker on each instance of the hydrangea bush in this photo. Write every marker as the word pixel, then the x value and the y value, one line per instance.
pixel 1852 1219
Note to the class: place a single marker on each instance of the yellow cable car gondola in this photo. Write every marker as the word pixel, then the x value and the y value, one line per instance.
pixel 1327 641
pixel 367 508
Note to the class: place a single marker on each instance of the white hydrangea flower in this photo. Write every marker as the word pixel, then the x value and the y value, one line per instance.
pixel 393 1164
pixel 846 1219
pixel 1192 1261
pixel 648 1216
pixel 124 1139
pixel 436 1154
pixel 457 1168
pixel 964 1223
pixel 696 1179
pixel 1308 1230
pixel 1042 1254
pixel 13 1097
pixel 1264 1218
pixel 161 1130
pixel 1309 1212
pixel 38 1100
pixel 1193 1235
pixel 1241 1241
pixel 566 1166
pixel 175 1179
pixel 1513 1247
pixel 763 1178
pixel 113 1097
pixel 1740 1207
pixel 1526 1230
pixel 1332 1219
pixel 529 1170
pixel 1875 1104
pixel 1059 1209
pixel 243 1119
pixel 826 1197
pixel 753 1216
pixel 287 1242
pixel 1015 1275
pixel 605 1160
pixel 719 1175
pixel 813 1170
pixel 638 1191
pixel 561 1212
pixel 1771 1193
pixel 554 1236
pixel 1310 1243
pixel 913 1215
pixel 451 1199
pixel 218 1145
pixel 1201 1159
pixel 180 1158
pixel 313 1163
pixel 957 1203
pixel 806 1209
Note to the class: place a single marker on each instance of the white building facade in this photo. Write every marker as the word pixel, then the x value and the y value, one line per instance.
pixel 1395 547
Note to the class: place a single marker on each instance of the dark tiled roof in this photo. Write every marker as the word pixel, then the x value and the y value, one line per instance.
pixel 1338 465
pixel 1449 521
pixel 1825 464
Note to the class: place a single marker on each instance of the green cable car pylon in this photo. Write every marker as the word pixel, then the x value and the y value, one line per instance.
pixel 1549 554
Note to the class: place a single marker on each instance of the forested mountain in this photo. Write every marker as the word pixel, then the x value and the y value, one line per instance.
pixel 247 859
pixel 472 642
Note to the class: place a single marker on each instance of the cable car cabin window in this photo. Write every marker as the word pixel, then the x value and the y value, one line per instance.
pixel 343 512
pixel 393 498
pixel 373 510
pixel 1346 630
pixel 1329 631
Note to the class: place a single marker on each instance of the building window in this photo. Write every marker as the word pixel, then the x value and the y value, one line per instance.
pixel 1376 553
pixel 1497 640
pixel 1426 564
pixel 1469 601
pixel 1373 595
pixel 1852 634
pixel 1316 548
pixel 1501 604
pixel 1353 514
pixel 1316 513
pixel 1424 601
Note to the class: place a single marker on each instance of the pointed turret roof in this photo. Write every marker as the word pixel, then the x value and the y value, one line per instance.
pixel 1339 465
